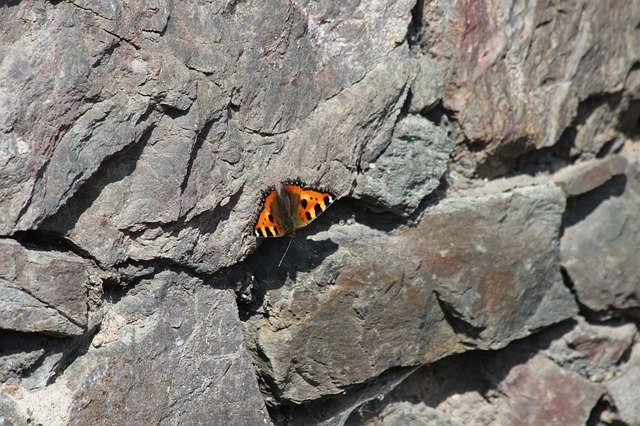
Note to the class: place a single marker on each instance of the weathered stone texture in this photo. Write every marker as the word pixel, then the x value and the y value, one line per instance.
pixel 525 383
pixel 167 132
pixel 488 275
pixel 136 138
pixel 409 169
pixel 589 175
pixel 562 397
pixel 406 413
pixel 514 73
pixel 170 351
pixel 42 291
pixel 624 389
pixel 602 234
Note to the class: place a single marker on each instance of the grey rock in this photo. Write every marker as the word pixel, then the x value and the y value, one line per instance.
pixel 487 275
pixel 170 351
pixel 586 176
pixel 503 303
pixel 63 116
pixel 594 351
pixel 43 291
pixel 12 365
pixel 624 390
pixel 143 133
pixel 28 360
pixel 24 312
pixel 156 141
pixel 514 75
pixel 406 413
pixel 599 122
pixel 409 168
pixel 514 385
pixel 9 411
pixel 601 233
pixel 338 411
pixel 561 397
pixel 426 88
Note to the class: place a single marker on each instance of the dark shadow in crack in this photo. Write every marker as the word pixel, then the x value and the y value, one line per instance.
pixel 335 410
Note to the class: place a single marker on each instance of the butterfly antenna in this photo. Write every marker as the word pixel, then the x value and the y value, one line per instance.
pixel 285 252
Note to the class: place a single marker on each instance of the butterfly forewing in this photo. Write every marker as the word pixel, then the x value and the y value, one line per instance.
pixel 269 223
pixel 308 202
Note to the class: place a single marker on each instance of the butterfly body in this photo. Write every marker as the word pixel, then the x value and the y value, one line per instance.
pixel 292 206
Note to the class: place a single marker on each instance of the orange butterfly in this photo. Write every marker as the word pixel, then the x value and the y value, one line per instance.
pixel 291 208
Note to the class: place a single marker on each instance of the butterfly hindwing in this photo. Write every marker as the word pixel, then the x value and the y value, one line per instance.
pixel 307 203
pixel 269 223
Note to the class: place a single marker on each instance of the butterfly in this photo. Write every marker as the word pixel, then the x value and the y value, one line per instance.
pixel 293 207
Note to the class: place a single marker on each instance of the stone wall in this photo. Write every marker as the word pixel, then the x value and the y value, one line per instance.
pixel 480 264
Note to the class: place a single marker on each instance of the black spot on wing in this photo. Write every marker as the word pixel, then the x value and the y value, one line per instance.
pixel 308 215
pixel 304 203
pixel 270 217
pixel 326 201
pixel 317 209
pixel 270 232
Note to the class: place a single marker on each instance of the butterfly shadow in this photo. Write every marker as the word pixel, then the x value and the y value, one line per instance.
pixel 279 261
pixel 292 255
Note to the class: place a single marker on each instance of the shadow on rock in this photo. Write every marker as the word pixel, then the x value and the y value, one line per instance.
pixel 582 206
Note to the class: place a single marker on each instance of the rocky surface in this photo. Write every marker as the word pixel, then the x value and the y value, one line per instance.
pixel 165 365
pixel 555 368
pixel 43 291
pixel 481 254
pixel 384 300
pixel 602 230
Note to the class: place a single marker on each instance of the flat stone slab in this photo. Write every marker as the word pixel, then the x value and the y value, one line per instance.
pixel 170 350
pixel 600 243
pixel 475 272
pixel 42 291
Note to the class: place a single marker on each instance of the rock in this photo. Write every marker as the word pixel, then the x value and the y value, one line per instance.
pixel 12 365
pixel 515 77
pixel 598 123
pixel 426 88
pixel 9 412
pixel 338 411
pixel 43 291
pixel 172 350
pixel 561 397
pixel 155 134
pixel 406 413
pixel 409 168
pixel 584 177
pixel 593 351
pixel 140 135
pixel 602 229
pixel 624 390
pixel 488 275
pixel 514 385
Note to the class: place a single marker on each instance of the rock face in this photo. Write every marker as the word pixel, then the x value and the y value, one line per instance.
pixel 384 300
pixel 484 157
pixel 601 233
pixel 45 292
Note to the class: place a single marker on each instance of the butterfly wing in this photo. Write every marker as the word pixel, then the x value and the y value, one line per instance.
pixel 306 203
pixel 270 223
